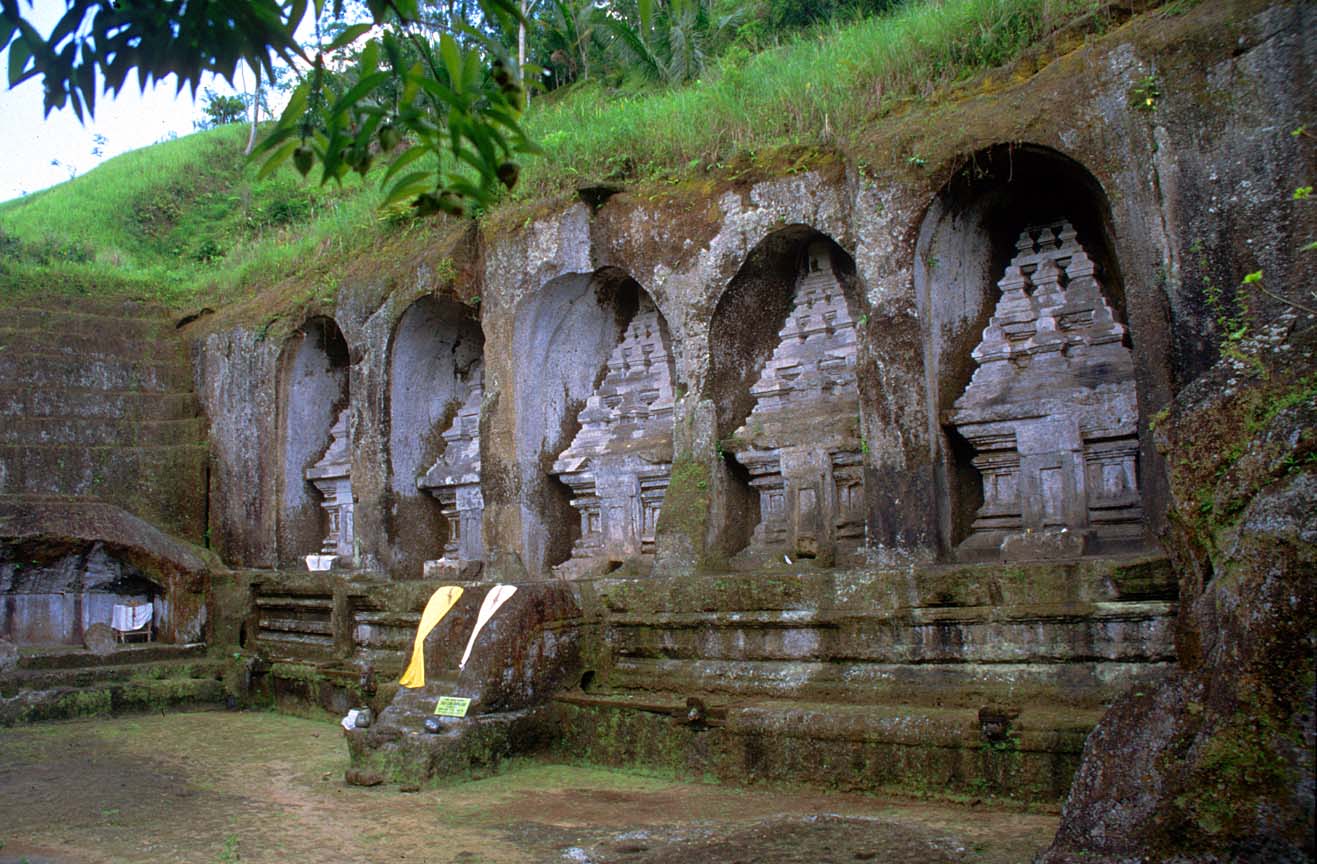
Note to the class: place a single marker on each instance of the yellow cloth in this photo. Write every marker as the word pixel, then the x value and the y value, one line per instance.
pixel 441 601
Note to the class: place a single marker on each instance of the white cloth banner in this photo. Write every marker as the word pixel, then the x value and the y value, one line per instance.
pixel 131 617
pixel 497 596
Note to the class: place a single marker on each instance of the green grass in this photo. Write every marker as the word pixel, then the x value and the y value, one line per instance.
pixel 187 222
pixel 181 221
pixel 823 87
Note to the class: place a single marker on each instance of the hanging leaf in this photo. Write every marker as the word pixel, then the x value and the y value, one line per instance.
pixel 410 186
pixel 347 37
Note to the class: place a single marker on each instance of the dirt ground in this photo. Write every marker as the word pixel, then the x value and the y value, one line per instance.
pixel 260 787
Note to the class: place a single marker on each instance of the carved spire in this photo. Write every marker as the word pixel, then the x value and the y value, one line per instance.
pixel 1051 410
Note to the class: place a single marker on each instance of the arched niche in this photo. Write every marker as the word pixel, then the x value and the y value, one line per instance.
pixel 569 342
pixel 783 346
pixel 436 373
pixel 988 231
pixel 315 444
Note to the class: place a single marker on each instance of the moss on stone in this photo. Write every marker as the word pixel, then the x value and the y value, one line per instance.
pixel 686 502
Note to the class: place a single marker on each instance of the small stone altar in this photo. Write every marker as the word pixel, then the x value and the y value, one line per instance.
pixel 801 442
pixel 454 479
pixel 1052 412
pixel 619 463
pixel 332 477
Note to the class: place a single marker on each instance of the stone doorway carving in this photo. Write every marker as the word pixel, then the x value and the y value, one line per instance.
pixel 332 477
pixel 454 480
pixel 1051 411
pixel 619 463
pixel 801 441
pixel 565 334
pixel 315 514
pixel 436 373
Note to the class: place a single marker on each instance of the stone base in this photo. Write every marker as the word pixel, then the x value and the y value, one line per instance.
pixel 584 569
pixel 456 570
pixel 1051 545
pixel 398 748
pixel 865 748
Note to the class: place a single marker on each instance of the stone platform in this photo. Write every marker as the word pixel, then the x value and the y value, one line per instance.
pixel 58 682
pixel 970 679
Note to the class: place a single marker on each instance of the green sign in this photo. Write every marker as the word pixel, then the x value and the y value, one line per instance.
pixel 451 706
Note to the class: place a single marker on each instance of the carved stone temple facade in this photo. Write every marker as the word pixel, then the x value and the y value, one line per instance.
pixel 332 477
pixel 1051 411
pixel 619 463
pixel 801 441
pixel 454 479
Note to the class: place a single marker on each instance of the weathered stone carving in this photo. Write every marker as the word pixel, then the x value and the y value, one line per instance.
pixel 801 441
pixel 455 480
pixel 332 476
pixel 1052 412
pixel 619 463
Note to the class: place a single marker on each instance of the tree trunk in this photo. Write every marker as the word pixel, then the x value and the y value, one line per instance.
pixel 521 50
pixel 256 116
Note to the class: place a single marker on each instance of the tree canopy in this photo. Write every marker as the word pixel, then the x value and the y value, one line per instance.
pixel 458 103
pixel 437 89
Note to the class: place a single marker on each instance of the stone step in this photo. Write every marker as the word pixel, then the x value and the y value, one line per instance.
pixel 951 685
pixel 45 657
pixel 1133 631
pixel 88 676
pixel 897 747
pixel 111 698
pixel 96 432
pixel 165 485
pixel 54 371
pixel 91 304
pixel 77 403
pixel 66 469
pixel 139 321
pixel 802 592
pixel 109 343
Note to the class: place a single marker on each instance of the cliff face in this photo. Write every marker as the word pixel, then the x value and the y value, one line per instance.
pixel 1218 761
pixel 1169 145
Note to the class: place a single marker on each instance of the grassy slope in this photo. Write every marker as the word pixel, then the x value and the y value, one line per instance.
pixel 188 222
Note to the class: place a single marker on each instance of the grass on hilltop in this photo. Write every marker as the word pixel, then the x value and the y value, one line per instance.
pixel 188 222
pixel 823 87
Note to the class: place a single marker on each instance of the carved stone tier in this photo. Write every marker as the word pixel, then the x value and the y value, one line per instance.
pixel 619 463
pixel 332 477
pixel 1051 411
pixel 455 480
pixel 801 441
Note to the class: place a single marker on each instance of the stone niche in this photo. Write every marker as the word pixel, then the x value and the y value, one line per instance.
pixel 315 513
pixel 332 477
pixel 436 370
pixel 800 443
pixel 50 599
pixel 564 336
pixel 1051 412
pixel 454 480
pixel 619 463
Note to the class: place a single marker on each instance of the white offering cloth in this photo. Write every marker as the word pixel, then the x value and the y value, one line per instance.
pixel 131 617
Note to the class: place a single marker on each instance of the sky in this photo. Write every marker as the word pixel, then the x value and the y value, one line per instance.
pixel 32 142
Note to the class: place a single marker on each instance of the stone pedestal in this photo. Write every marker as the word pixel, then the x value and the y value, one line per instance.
pixel 1052 413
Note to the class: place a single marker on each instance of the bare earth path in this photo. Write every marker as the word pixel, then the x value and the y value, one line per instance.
pixel 260 787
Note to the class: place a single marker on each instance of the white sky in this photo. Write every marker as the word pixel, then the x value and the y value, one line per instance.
pixel 31 141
